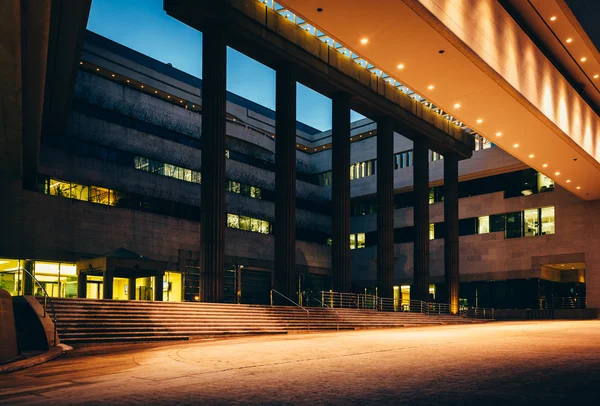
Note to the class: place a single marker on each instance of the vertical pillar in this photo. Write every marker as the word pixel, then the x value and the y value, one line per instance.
pixel 107 282
pixel 28 284
pixel 451 252
pixel 131 288
pixel 158 286
pixel 214 72
pixel 420 290
pixel 81 285
pixel 340 193
pixel 385 207
pixel 285 180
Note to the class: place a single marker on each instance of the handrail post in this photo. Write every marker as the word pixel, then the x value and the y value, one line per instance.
pixel 271 296
pixel 322 298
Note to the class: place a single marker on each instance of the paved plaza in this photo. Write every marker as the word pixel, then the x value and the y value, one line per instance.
pixel 552 362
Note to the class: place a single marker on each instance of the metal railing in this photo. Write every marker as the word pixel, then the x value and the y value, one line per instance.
pixel 478 313
pixel 362 301
pixel 349 300
pixel 47 300
pixel 337 315
pixel 294 303
pixel 561 303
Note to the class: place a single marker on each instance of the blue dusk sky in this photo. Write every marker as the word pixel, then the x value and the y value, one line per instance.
pixel 144 26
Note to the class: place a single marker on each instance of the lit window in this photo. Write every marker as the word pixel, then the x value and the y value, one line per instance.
pixel 483 225
pixel 531 225
pixel 352 241
pixel 360 240
pixel 548 222
pixel 233 220
pixel 431 231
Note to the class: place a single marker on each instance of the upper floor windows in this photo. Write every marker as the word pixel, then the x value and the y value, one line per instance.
pixel 403 159
pixel 248 224
pixel 242 189
pixel 161 168
pixel 77 191
pixel 357 241
pixel 362 169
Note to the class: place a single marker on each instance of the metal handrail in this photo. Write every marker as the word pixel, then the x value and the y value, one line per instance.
pixel 47 300
pixel 296 304
pixel 337 315
pixel 478 313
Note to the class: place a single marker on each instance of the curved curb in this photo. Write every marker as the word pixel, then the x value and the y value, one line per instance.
pixel 49 355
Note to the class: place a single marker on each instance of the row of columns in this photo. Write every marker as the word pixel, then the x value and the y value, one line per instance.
pixel 213 189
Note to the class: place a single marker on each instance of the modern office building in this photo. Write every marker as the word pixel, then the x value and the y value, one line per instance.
pixel 479 187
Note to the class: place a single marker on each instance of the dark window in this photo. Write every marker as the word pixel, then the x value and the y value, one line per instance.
pixel 514 225
pixel 467 226
pixel 497 222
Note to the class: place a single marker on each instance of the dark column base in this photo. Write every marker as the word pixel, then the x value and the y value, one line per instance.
pixel 81 285
pixel 131 288
pixel 107 282
pixel 158 286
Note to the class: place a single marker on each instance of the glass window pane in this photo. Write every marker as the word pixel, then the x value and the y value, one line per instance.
pixel 497 222
pixel 352 241
pixel 431 231
pixel 233 220
pixel 99 195
pixel 483 225
pixel 531 224
pixel 514 227
pixel 10 276
pixel 360 240
pixel 548 220
pixel 245 223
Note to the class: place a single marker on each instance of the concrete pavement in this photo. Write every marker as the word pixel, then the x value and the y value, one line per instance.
pixel 550 362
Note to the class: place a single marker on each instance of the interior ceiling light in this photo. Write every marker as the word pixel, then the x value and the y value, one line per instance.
pixel 430 87
pixel 569 40
pixel 457 106
pixel 531 156
pixel 557 173
pixel 498 134
pixel 583 59
pixel 568 180
pixel 364 41
pixel 516 145
pixel 479 121
pixel 596 76
pixel 578 187
pixel 400 66
pixel 553 18
pixel 545 165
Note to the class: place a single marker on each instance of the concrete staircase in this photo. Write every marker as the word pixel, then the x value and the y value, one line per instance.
pixel 103 321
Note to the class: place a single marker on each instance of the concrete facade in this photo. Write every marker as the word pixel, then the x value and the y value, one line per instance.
pixel 113 120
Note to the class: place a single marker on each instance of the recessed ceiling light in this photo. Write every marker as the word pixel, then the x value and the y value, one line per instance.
pixel 545 165
pixel 569 40
pixel 596 76
pixel 568 180
pixel 457 106
pixel 98 69
pixel 156 91
pixel 81 63
pixel 516 145
pixel 531 156
pixel 578 187
pixel 430 87
pixel 364 41
pixel 400 66
pixel 113 75
pixel 142 86
pixel 127 80
pixel 557 173
pixel 553 18
pixel 479 121
pixel 583 59
pixel 498 134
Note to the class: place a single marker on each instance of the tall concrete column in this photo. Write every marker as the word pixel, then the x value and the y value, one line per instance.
pixel 340 193
pixel 28 284
pixel 107 284
pixel 131 288
pixel 81 285
pixel 385 207
pixel 158 286
pixel 214 72
pixel 451 252
pixel 285 180
pixel 420 289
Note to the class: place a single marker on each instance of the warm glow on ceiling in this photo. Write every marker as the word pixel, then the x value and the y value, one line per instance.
pixel 479 121
pixel 400 66
pixel 569 40
pixel 553 18
pixel 531 156
pixel 516 145
pixel 545 165
pixel 457 106
pixel 364 41
pixel 578 187
pixel 583 59
pixel 557 173
pixel 596 76
pixel 430 87
pixel 568 180
pixel 498 134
